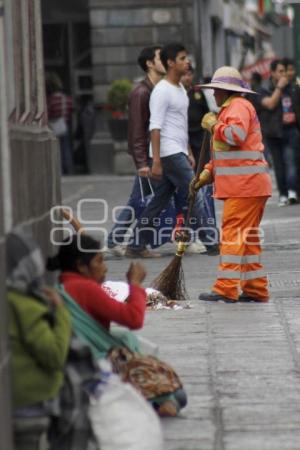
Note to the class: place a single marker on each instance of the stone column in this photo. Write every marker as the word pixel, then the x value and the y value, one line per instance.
pixel 5 220
pixel 29 169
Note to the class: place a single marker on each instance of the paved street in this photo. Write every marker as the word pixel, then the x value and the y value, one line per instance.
pixel 240 364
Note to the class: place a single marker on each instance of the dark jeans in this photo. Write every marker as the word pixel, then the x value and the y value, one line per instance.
pixel 195 140
pixel 284 155
pixel 66 154
pixel 129 212
pixel 177 175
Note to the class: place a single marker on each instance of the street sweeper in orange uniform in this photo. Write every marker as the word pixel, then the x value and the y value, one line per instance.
pixel 241 179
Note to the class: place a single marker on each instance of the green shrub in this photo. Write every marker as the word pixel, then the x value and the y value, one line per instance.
pixel 118 94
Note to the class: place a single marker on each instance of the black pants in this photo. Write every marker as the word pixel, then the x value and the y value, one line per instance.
pixel 284 155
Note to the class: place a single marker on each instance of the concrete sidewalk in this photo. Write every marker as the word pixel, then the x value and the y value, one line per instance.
pixel 240 364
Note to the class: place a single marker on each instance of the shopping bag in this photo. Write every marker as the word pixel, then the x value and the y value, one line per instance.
pixel 146 195
pixel 163 224
pixel 58 126
pixel 121 418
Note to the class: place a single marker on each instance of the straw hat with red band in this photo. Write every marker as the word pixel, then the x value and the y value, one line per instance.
pixel 229 79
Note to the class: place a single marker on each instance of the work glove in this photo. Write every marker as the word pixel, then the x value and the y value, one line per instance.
pixel 196 183
pixel 209 121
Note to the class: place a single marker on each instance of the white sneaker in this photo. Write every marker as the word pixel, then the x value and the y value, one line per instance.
pixel 196 247
pixel 283 200
pixel 292 197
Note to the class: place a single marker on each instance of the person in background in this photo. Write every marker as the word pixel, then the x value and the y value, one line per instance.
pixel 294 83
pixel 291 72
pixel 279 113
pixel 241 179
pixel 138 146
pixel 256 84
pixel 59 106
pixel 86 122
pixel 197 109
pixel 39 333
pixel 255 81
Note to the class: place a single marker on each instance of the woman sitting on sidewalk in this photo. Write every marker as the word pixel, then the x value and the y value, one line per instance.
pixel 39 332
pixel 92 309
pixel 82 272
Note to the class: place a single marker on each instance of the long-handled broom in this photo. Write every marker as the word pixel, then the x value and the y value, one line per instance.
pixel 170 282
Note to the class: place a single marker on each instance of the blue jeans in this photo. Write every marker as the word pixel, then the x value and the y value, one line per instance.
pixel 128 214
pixel 177 175
pixel 284 151
pixel 195 140
pixel 207 206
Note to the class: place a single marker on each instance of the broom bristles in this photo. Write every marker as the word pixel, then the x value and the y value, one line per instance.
pixel 170 282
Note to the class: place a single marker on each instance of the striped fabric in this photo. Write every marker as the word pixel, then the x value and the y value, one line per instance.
pixel 246 170
pixel 240 266
pixel 59 105
pixel 230 131
pixel 237 275
pixel 240 259
pixel 239 154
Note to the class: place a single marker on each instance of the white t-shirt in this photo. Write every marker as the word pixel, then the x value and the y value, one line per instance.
pixel 168 113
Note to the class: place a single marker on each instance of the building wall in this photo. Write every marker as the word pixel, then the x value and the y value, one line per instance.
pixel 282 41
pixel 30 175
pixel 119 30
pixel 212 37
pixel 64 10
pixel 67 45
pixel 296 36
pixel 34 164
pixel 5 412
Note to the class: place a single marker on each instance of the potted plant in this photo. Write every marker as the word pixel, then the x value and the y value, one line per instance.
pixel 117 97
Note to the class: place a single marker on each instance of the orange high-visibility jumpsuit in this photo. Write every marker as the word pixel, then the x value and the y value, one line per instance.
pixel 242 180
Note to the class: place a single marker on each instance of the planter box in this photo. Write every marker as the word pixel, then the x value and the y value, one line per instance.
pixel 118 129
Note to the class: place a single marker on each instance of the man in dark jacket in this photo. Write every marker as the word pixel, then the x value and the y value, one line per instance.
pixel 279 112
pixel 197 110
pixel 294 81
pixel 198 107
pixel 138 145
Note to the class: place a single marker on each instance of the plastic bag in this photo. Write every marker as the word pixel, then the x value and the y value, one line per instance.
pixel 58 126
pixel 121 418
pixel 163 224
pixel 119 290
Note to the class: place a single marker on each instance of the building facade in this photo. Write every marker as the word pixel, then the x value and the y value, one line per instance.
pixel 119 30
pixel 30 174
pixel 112 33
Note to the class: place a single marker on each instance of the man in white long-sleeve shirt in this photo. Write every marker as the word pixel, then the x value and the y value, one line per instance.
pixel 172 159
pixel 168 109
